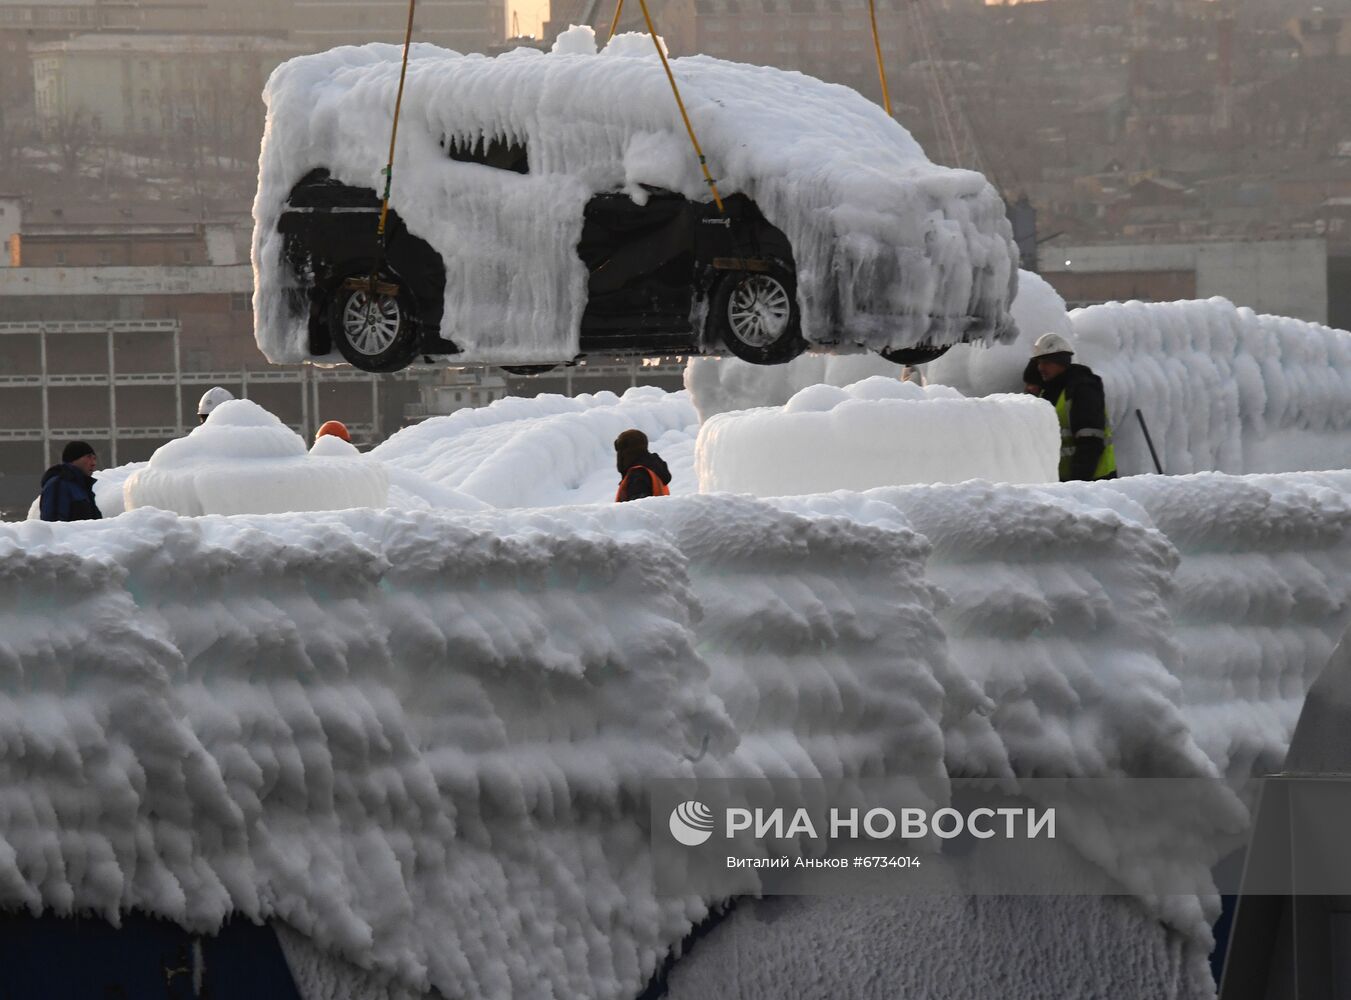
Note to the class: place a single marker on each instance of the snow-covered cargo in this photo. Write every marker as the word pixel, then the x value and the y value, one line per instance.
pixel 1221 388
pixel 877 432
pixel 513 175
pixel 318 718
pixel 243 460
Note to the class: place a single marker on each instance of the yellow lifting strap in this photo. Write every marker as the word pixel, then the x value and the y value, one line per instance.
pixel 394 132
pixel 666 65
pixel 877 47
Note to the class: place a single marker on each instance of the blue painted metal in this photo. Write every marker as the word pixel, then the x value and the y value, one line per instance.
pixel 79 958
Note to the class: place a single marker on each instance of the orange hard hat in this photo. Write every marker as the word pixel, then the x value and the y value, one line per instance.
pixel 336 428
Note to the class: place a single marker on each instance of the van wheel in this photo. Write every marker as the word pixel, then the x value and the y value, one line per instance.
pixel 756 315
pixel 374 325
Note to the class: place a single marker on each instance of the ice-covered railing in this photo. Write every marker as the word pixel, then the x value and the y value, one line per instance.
pixel 420 740
pixel 890 248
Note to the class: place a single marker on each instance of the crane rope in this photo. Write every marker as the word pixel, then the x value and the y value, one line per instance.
pixel 684 115
pixel 394 131
pixel 877 47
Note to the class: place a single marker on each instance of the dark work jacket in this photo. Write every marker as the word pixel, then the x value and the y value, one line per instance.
pixel 68 495
pixel 636 483
pixel 1088 412
pixel 1031 376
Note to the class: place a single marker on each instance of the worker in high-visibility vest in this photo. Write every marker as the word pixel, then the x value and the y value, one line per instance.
pixel 1081 405
pixel 643 474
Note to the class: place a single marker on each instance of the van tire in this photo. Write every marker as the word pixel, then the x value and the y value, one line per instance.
pixel 755 314
pixel 379 334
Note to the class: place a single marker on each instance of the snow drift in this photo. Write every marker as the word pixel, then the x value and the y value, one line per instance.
pixel 243 460
pixel 546 451
pixel 891 250
pixel 877 432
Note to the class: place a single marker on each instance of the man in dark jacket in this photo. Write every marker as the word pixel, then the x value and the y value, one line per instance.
pixel 1086 451
pixel 1032 385
pixel 642 473
pixel 68 488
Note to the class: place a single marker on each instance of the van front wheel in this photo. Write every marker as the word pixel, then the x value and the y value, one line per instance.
pixel 755 314
pixel 373 323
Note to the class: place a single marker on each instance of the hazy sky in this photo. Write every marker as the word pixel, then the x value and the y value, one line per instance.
pixel 534 12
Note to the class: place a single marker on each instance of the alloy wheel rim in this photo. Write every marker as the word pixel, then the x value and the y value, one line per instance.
pixel 758 311
pixel 371 323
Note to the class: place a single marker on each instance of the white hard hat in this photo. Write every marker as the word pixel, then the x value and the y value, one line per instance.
pixel 212 398
pixel 1051 343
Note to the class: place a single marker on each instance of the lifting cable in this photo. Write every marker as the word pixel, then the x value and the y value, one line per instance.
pixel 666 65
pixel 394 135
pixel 670 76
pixel 877 47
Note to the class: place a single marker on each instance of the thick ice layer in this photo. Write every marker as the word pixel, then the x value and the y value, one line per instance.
pixel 717 385
pixel 320 718
pixel 955 948
pixel 243 460
pixel 1260 598
pixel 877 432
pixel 983 370
pixel 546 451
pixel 1222 389
pixel 890 249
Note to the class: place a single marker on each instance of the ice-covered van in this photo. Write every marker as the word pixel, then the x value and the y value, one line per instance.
pixel 549 206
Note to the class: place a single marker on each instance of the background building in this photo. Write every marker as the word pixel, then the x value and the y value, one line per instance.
pixel 119 356
pixel 1166 148
pixel 462 25
pixel 200 90
pixel 1280 277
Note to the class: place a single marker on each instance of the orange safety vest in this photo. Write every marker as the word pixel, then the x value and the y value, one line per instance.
pixel 659 489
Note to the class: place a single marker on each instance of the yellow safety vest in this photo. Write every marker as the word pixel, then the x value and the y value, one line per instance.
pixel 1106 463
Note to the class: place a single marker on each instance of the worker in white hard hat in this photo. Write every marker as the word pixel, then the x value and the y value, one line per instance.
pixel 211 399
pixel 1086 451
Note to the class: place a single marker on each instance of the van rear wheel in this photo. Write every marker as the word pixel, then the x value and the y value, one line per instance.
pixel 373 321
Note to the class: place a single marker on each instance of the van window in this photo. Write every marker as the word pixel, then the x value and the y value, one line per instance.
pixel 491 152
